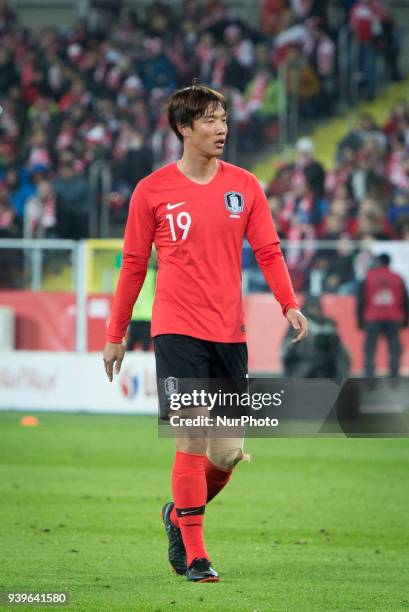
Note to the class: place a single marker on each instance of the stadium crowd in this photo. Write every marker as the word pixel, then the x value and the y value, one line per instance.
pixel 365 197
pixel 82 101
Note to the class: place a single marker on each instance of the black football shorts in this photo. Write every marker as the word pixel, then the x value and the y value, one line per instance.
pixel 184 363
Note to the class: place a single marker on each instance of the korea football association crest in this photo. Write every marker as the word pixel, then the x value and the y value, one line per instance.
pixel 171 385
pixel 234 202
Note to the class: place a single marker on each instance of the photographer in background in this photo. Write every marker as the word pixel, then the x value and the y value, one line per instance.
pixel 322 354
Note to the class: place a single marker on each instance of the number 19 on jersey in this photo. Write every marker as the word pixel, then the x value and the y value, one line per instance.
pixel 183 221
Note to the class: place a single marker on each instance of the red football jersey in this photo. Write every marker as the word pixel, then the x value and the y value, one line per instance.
pixel 198 232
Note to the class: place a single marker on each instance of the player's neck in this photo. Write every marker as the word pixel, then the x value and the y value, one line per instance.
pixel 197 168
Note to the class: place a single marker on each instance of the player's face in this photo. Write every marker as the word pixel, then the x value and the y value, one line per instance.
pixel 208 133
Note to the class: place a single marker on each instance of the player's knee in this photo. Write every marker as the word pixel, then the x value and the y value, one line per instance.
pixel 226 458
pixel 194 446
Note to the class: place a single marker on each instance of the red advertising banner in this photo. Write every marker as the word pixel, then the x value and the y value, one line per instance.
pixel 46 321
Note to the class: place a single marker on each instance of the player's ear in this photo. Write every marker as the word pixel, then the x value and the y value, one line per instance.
pixel 184 130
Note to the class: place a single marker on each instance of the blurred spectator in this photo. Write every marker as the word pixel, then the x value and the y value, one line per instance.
pixel 263 95
pixel 382 309
pixel 362 178
pixel 404 229
pixel 367 27
pixel 398 120
pixel 323 61
pixel 297 205
pixel 273 16
pixel 40 213
pixel 293 35
pixel 102 13
pixel 334 226
pixel 73 202
pixel 370 221
pixel 333 270
pixel 340 276
pixel 388 40
pixel 312 169
pixel 300 252
pixel 157 69
pixel 9 224
pixel 135 161
pixel 19 188
pixel 365 130
pixel 398 207
pixel 282 180
pixel 347 6
pixel 7 16
pixel 302 82
pixel 8 73
pixel 303 9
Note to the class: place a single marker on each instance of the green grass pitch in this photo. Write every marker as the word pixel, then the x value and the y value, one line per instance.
pixel 309 524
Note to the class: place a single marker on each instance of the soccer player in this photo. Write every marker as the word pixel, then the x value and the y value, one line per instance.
pixel 197 212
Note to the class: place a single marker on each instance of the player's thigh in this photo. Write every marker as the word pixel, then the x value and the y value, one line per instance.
pixel 228 360
pixel 180 356
pixel 182 366
pixel 228 373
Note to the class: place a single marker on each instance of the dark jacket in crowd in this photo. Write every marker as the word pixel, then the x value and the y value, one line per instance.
pixel 72 193
pixel 73 203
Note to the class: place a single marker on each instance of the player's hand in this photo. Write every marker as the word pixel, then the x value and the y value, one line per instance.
pixel 113 356
pixel 299 323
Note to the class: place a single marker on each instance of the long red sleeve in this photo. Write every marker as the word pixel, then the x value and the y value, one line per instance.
pixel 271 262
pixel 138 241
pixel 263 238
pixel 131 278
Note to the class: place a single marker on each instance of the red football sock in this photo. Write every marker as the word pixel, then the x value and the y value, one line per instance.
pixel 216 478
pixel 189 493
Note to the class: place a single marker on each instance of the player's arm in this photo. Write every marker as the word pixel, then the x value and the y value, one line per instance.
pixel 262 236
pixel 139 234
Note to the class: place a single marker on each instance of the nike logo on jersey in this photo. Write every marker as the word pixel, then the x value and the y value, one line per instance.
pixel 183 512
pixel 171 206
